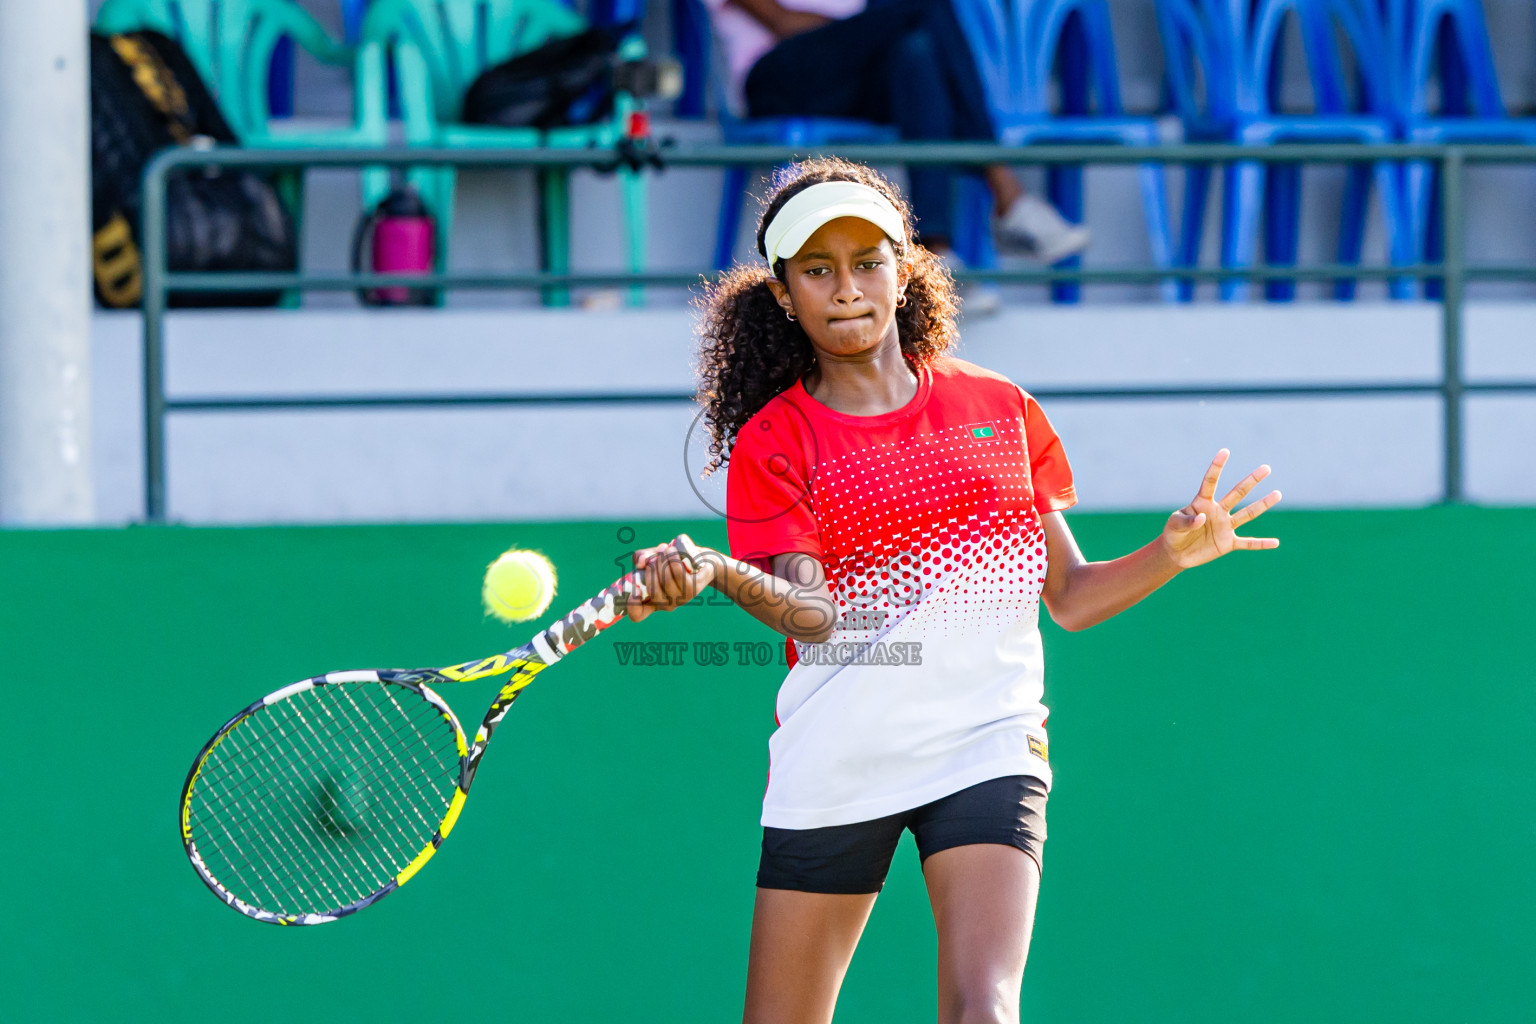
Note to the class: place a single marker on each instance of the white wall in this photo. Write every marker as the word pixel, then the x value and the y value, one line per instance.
pixel 606 461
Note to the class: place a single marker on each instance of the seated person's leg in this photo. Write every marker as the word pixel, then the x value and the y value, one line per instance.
pixel 821 72
pixel 1025 223
pixel 911 93
pixel 956 63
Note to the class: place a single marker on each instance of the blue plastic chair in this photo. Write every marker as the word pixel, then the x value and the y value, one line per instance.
pixel 803 132
pixel 1235 44
pixel 1020 49
pixel 691 40
pixel 1449 37
pixel 1325 22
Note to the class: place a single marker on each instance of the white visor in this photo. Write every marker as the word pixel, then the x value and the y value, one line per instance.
pixel 798 219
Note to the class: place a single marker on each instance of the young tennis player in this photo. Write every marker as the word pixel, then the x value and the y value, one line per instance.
pixel 898 513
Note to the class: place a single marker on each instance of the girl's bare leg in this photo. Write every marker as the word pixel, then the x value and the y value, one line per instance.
pixel 802 943
pixel 983 900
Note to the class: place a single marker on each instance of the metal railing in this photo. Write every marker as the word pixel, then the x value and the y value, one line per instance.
pixel 1453 269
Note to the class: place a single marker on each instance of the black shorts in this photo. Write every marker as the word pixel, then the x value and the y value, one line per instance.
pixel 855 858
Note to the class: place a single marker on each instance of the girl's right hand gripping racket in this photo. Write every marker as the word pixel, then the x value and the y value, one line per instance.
pixel 328 795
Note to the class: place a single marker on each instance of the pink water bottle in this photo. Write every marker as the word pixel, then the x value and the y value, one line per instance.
pixel 400 237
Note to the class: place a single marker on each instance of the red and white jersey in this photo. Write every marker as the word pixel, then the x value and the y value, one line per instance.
pixel 927 522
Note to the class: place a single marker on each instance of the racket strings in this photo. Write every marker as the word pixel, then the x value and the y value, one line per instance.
pixel 402 734
pixel 411 751
pixel 264 848
pixel 278 822
pixel 257 780
pixel 267 888
pixel 353 732
pixel 317 801
pixel 302 825
pixel 313 819
pixel 312 822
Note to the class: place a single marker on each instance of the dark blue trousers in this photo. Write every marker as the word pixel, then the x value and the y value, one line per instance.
pixel 899 62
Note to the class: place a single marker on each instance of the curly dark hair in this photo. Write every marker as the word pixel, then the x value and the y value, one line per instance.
pixel 749 352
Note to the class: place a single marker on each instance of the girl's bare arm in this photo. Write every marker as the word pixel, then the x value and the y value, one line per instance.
pixel 1080 593
pixel 793 599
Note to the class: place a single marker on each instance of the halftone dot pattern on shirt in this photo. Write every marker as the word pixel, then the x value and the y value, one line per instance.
pixel 943 523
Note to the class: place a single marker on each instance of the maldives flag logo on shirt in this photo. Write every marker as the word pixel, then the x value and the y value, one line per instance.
pixel 983 431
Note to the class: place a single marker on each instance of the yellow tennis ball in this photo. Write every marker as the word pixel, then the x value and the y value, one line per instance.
pixel 518 586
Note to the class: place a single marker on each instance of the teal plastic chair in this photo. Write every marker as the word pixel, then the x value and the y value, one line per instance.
pixel 439 47
pixel 231 43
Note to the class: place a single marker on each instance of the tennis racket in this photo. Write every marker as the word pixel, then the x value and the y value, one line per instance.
pixel 327 795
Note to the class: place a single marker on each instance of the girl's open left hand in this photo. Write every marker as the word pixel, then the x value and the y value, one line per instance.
pixel 1206 529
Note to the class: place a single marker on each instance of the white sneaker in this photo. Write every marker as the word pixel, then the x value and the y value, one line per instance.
pixel 977 298
pixel 1032 227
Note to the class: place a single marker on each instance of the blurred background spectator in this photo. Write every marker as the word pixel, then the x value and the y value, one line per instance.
pixel 899 62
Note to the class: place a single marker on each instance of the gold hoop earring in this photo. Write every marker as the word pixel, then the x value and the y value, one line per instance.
pixel 901 300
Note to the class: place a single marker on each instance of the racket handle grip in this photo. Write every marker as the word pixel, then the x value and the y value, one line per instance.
pixel 630 587
pixel 602 611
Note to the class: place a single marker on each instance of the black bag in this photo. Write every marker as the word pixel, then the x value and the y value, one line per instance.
pixel 146 96
pixel 566 81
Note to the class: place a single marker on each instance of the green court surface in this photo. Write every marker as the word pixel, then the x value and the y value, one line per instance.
pixel 1294 786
